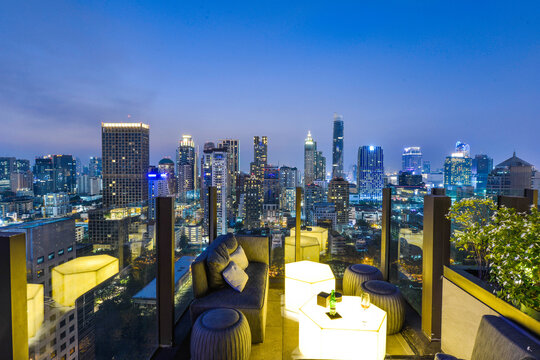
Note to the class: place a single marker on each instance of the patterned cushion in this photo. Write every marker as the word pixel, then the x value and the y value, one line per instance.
pixel 217 261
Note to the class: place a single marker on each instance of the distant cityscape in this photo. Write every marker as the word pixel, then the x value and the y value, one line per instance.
pixel 69 208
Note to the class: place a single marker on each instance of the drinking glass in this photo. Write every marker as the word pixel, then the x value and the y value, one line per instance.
pixel 364 302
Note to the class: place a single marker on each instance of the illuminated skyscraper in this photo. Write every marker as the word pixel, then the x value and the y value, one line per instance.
pixel 370 173
pixel 457 171
pixel 338 194
pixel 253 200
pixel 510 177
pixel 411 160
pixel 186 167
pixel 214 173
pixel 312 194
pixel 125 159
pixel 233 169
pixel 314 161
pixel 481 167
pixel 463 148
pixel 260 156
pixel 337 147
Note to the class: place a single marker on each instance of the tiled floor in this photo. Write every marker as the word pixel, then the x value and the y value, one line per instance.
pixel 282 335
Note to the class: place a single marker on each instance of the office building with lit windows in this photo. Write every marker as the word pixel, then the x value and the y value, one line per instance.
pixel 338 194
pixel 481 168
pixel 411 160
pixel 186 161
pixel 370 173
pixel 260 156
pixel 214 173
pixel 457 171
pixel 125 160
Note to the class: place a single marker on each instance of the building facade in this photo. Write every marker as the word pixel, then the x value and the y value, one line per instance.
pixel 370 173
pixel 125 159
pixel 338 193
pixel 411 160
pixel 186 160
pixel 337 147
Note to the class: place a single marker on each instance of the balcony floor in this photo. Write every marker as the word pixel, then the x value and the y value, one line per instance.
pixel 408 344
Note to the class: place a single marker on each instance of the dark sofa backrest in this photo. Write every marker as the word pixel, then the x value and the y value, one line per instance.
pixel 498 338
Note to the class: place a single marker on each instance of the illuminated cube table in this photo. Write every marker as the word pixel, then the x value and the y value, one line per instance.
pixel 34 308
pixel 345 338
pixel 303 279
pixel 309 249
pixel 320 233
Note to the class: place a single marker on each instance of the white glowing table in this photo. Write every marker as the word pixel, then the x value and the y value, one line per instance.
pixel 345 338
pixel 303 279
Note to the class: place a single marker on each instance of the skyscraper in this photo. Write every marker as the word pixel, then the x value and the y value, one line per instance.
pixel 458 168
pixel 288 177
pixel 233 169
pixel 125 160
pixel 253 202
pixel 166 166
pixel 214 173
pixel 370 173
pixel 260 156
pixel 337 147
pixel 338 194
pixel 186 166
pixel 320 166
pixel 271 188
pixel 481 167
pixel 312 194
pixel 411 160
pixel 310 150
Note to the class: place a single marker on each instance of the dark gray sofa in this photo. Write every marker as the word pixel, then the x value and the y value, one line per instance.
pixel 252 301
pixel 498 338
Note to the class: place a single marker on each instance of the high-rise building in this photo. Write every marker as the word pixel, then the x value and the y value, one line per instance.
pixel 370 173
pixel 510 177
pixel 44 176
pixel 312 194
pixel 214 173
pixel 253 198
pixel 288 177
pixel 55 173
pixel 426 167
pixel 260 156
pixel 463 148
pixel 271 188
pixel 310 158
pixel 458 168
pixel 125 159
pixel 411 160
pixel 337 147
pixel 320 166
pixel 158 185
pixel 186 160
pixel 233 169
pixel 481 168
pixel 94 167
pixel 56 204
pixel 166 166
pixel 338 194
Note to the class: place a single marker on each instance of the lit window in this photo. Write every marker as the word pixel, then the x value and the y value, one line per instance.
pixel 70 249
pixel 51 256
pixel 40 260
pixel 60 252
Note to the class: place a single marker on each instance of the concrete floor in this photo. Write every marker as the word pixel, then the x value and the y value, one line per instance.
pixel 282 335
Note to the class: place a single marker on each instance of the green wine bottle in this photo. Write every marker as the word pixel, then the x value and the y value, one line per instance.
pixel 333 303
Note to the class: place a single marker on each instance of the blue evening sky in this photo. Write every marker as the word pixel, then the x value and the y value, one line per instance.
pixel 401 73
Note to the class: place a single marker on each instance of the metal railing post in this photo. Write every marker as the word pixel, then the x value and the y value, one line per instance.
pixel 297 247
pixel 436 254
pixel 385 234
pixel 532 195
pixel 212 213
pixel 13 312
pixel 165 270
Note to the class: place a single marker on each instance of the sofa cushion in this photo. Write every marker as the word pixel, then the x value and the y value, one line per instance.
pixel 235 276
pixel 217 261
pixel 252 297
pixel 230 241
pixel 240 258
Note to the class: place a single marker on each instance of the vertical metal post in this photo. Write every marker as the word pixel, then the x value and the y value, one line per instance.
pixel 532 195
pixel 436 254
pixel 165 270
pixel 13 312
pixel 297 248
pixel 385 234
pixel 520 203
pixel 212 213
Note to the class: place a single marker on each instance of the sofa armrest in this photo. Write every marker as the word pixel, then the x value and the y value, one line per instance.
pixel 255 247
pixel 199 278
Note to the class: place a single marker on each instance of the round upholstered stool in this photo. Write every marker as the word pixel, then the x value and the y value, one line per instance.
pixel 221 334
pixel 356 274
pixel 387 297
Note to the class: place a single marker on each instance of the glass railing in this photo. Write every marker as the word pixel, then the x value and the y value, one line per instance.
pixel 406 229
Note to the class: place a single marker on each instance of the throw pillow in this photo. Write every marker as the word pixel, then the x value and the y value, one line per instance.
pixel 217 261
pixel 235 276
pixel 230 241
pixel 240 258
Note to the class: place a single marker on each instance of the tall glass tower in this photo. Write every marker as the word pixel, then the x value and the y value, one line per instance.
pixel 370 173
pixel 411 160
pixel 337 147
pixel 186 166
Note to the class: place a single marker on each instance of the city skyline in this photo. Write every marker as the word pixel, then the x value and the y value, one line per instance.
pixel 279 71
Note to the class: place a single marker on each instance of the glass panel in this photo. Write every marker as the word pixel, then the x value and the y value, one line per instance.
pixel 406 227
